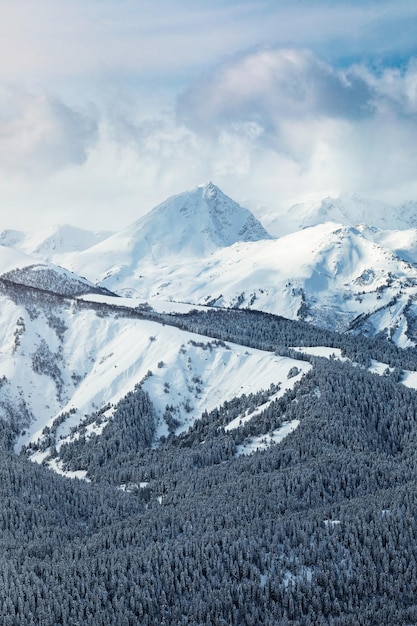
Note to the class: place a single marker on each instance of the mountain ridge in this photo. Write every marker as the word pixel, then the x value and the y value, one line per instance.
pixel 349 209
pixel 52 244
pixel 202 248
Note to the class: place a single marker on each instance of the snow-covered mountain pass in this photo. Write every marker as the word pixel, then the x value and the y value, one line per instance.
pixel 60 363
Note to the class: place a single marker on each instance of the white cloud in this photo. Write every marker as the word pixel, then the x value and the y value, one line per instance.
pixel 272 125
pixel 269 86
pixel 335 130
pixel 40 134
pixel 274 104
pixel 56 39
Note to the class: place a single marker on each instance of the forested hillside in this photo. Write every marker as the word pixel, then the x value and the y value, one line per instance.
pixel 320 528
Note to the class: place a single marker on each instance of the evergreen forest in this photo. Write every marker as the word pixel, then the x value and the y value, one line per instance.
pixel 319 529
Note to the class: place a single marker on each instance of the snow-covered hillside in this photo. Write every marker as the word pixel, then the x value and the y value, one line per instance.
pixel 23 269
pixel 202 248
pixel 330 274
pixel 402 242
pixel 63 359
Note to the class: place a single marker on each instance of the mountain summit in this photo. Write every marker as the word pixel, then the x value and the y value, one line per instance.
pixel 194 223
pixel 204 219
pixel 189 225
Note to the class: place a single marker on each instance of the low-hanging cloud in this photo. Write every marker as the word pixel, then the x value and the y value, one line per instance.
pixel 40 134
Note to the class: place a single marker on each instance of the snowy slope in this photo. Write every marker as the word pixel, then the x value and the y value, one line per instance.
pixel 402 242
pixel 202 248
pixel 328 274
pixel 60 358
pixel 191 225
pixel 11 259
pixel 23 269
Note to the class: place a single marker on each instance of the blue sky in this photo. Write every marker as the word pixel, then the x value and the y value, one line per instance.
pixel 107 107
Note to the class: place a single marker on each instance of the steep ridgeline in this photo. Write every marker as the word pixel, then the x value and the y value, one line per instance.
pixel 19 269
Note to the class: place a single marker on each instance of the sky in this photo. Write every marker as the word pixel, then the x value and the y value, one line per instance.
pixel 108 107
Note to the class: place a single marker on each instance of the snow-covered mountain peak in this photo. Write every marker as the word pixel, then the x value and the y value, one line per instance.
pixel 201 220
pixel 349 208
pixel 212 194
pixel 185 227
pixel 209 189
pixel 50 244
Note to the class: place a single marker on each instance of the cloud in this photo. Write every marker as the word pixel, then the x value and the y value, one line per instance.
pixel 56 39
pixel 53 39
pixel 396 88
pixel 327 128
pixel 271 86
pixel 269 99
pixel 40 134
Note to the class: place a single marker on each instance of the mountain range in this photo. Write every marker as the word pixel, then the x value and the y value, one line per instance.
pixel 203 422
pixel 196 249
pixel 337 269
